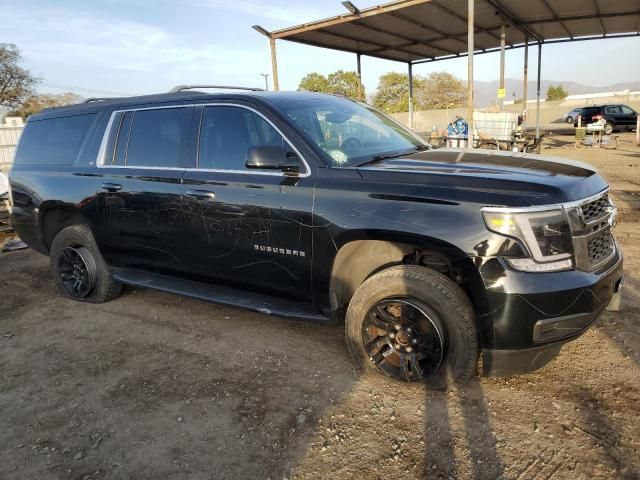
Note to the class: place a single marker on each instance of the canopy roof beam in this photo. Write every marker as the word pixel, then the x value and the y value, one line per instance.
pixel 463 19
pixel 514 21
pixel 631 13
pixel 548 42
pixel 308 27
pixel 410 41
pixel 458 37
pixel 557 19
pixel 443 35
pixel 380 47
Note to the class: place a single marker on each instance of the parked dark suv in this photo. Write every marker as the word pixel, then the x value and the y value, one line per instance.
pixel 314 206
pixel 618 117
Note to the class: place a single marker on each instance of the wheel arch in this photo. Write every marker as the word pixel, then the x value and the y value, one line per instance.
pixel 55 216
pixel 362 254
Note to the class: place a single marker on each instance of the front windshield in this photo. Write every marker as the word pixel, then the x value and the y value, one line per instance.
pixel 349 133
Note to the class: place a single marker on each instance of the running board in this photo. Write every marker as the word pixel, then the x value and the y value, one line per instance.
pixel 227 296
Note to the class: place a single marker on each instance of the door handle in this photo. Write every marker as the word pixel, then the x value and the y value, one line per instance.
pixel 111 187
pixel 201 195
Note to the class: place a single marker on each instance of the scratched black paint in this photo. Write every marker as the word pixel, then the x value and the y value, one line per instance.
pixel 429 199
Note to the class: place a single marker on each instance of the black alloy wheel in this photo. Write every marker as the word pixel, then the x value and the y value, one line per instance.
pixel 403 340
pixel 77 270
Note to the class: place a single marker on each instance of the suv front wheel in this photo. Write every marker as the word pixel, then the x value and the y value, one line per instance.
pixel 413 324
pixel 78 269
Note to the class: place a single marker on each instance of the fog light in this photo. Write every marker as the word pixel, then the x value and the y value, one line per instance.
pixel 530 265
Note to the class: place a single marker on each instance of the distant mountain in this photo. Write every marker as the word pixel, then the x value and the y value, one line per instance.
pixel 486 93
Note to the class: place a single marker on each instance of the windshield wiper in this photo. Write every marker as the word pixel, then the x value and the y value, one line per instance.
pixel 386 156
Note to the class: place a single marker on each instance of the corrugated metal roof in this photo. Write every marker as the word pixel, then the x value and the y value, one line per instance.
pixel 428 30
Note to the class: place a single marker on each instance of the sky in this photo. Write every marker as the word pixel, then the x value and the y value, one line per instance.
pixel 125 47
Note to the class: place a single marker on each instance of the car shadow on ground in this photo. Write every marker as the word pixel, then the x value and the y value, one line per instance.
pixel 444 453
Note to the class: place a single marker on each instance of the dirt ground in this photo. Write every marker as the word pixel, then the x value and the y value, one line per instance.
pixel 154 386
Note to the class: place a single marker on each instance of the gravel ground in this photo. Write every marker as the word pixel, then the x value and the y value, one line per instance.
pixel 155 386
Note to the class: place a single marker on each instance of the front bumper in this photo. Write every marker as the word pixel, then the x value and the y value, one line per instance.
pixel 532 315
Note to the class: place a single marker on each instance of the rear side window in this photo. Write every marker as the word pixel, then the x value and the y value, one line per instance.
pixel 613 109
pixel 54 141
pixel 148 138
pixel 155 137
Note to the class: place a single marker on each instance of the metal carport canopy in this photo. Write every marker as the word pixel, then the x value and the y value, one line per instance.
pixel 416 31
pixel 420 31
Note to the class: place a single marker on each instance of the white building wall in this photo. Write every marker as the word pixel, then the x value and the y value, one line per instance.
pixel 9 137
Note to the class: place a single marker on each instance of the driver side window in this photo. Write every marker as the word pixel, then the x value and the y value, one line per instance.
pixel 228 132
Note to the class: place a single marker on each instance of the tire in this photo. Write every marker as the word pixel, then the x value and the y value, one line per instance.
pixel 447 314
pixel 77 243
pixel 569 120
pixel 608 128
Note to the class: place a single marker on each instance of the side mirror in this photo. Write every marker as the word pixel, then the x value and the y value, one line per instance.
pixel 272 158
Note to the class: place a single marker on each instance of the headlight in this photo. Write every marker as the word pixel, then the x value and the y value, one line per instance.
pixel 546 235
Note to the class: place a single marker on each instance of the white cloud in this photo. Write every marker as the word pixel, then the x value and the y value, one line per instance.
pixel 287 13
pixel 123 55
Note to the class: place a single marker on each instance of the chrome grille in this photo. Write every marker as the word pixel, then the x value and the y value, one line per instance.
pixel 596 209
pixel 591 222
pixel 600 248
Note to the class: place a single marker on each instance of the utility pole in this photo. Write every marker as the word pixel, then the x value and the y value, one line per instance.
pixel 266 80
pixel 501 92
pixel 470 49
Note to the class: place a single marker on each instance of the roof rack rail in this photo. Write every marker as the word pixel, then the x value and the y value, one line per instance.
pixel 180 88
pixel 95 99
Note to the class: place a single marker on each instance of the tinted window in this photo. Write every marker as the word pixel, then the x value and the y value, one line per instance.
pixel 627 110
pixel 613 109
pixel 155 137
pixel 226 133
pixel 53 141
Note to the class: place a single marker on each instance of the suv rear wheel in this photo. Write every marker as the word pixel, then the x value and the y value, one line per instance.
pixel 608 128
pixel 413 324
pixel 78 269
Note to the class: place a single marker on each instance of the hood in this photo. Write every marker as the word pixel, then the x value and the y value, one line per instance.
pixel 489 177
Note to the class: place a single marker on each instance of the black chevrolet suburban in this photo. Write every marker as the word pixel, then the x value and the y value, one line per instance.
pixel 314 206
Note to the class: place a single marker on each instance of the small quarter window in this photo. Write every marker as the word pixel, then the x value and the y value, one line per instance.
pixel 53 141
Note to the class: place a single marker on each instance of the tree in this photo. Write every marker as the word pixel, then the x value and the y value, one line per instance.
pixel 441 90
pixel 340 82
pixel 314 82
pixel 35 103
pixel 16 83
pixel 347 84
pixel 556 93
pixel 393 92
pixel 437 90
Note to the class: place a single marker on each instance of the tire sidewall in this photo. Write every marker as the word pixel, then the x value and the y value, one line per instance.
pixel 75 236
pixel 440 298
